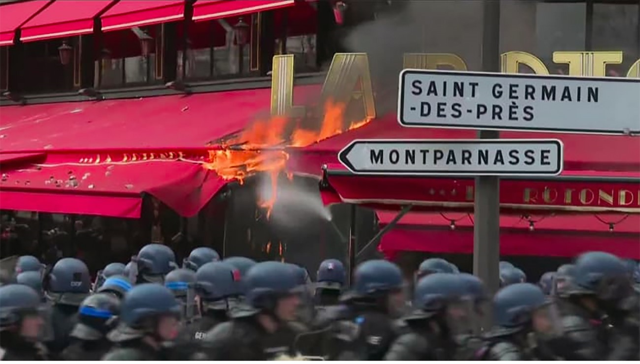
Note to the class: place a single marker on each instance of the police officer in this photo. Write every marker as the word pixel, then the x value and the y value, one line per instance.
pixel 117 286
pixel 242 264
pixel 98 314
pixel 440 312
pixel 182 283
pixel 32 279
pixel 272 299
pixel 599 283
pixel 28 263
pixel 375 300
pixel 149 316
pixel 523 315
pixel 546 282
pixel 511 276
pixel 152 264
pixel 66 286
pixel 562 279
pixel 199 257
pixel 433 265
pixel 21 324
pixel 330 280
pixel 111 269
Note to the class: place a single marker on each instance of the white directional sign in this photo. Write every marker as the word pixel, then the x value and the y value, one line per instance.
pixel 519 102
pixel 476 157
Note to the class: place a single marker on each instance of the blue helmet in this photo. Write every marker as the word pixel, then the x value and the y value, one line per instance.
pixel 434 292
pixel 631 266
pixel 505 265
pixel 511 276
pixel 601 274
pixel 474 287
pixel 68 282
pixel 153 262
pixel 179 281
pixel 28 263
pixel 97 316
pixel 116 285
pixel 199 257
pixel 331 274
pixel 636 274
pixel 563 278
pixel 241 263
pixel 546 282
pixel 32 279
pixel 454 268
pixel 217 281
pixel 513 306
pixel 147 301
pixel 434 265
pixel 16 302
pixel 375 278
pixel 267 282
pixel 111 269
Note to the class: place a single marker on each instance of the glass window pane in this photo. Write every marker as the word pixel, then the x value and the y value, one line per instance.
pixel 135 69
pixel 560 27
pixel 615 28
pixel 111 72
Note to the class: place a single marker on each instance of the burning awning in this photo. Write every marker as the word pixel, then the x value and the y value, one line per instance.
pixel 129 14
pixel 550 235
pixel 63 19
pixel 204 10
pixel 12 16
pixel 100 157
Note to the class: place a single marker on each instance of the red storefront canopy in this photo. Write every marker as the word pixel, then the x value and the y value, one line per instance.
pixel 63 19
pixel 204 10
pixel 12 16
pixel 133 13
pixel 153 145
pixel 560 236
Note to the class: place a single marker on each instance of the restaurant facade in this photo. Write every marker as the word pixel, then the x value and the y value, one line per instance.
pixel 129 111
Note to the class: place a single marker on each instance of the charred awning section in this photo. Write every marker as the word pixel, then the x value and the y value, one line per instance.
pixel 102 157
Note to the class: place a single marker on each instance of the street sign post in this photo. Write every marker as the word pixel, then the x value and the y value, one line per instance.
pixel 501 157
pixel 492 101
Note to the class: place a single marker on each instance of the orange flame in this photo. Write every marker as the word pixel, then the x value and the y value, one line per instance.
pixel 261 147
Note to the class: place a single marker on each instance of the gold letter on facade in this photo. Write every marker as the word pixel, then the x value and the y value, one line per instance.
pixel 349 78
pixel 634 71
pixel 511 61
pixel 432 61
pixel 282 88
pixel 592 64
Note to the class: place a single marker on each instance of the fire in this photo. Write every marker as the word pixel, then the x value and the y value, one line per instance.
pixel 261 148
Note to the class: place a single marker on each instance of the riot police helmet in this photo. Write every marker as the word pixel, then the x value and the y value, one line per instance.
pixel 562 280
pixel 28 263
pixel 216 282
pixel 546 282
pixel 434 265
pixel 331 274
pixel 18 302
pixel 433 292
pixel 474 287
pixel 631 266
pixel 111 269
pixel 199 257
pixel 153 263
pixel 511 276
pixel 601 274
pixel 375 278
pixel 69 282
pixel 97 315
pixel 117 285
pixel 504 265
pixel 142 309
pixel 32 279
pixel 179 281
pixel 521 306
pixel 242 264
pixel 454 268
pixel 267 283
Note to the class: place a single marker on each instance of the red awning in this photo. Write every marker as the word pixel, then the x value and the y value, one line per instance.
pixel 131 13
pixel 560 236
pixel 12 16
pixel 62 19
pixel 101 156
pixel 621 154
pixel 571 192
pixel 204 10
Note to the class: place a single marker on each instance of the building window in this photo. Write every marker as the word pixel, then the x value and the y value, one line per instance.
pixel 296 33
pixel 615 28
pixel 43 71
pixel 560 27
pixel 127 57
pixel 215 49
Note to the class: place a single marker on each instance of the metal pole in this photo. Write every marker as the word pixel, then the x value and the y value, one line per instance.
pixel 352 248
pixel 384 230
pixel 486 229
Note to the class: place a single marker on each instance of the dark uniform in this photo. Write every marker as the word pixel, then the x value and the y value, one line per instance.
pixel 16 303
pixel 245 337
pixel 96 317
pixel 430 335
pixel 66 286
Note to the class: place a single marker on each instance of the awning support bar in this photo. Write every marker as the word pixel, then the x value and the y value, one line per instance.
pixel 389 226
